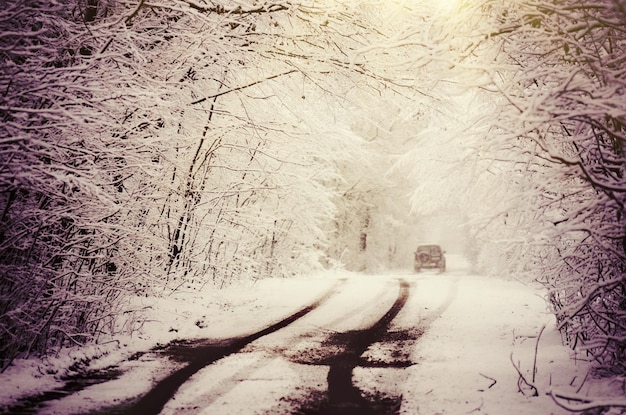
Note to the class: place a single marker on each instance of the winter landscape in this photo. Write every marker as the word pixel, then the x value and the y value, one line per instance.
pixel 312 207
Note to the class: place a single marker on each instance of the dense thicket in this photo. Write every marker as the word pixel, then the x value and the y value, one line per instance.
pixel 535 167
pixel 151 146
pixel 553 159
pixel 139 153
pixel 566 107
pixel 61 226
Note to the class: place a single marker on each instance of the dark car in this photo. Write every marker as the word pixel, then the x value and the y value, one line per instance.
pixel 429 256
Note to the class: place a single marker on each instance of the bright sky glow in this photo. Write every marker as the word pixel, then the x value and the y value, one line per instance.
pixel 447 5
pixel 440 5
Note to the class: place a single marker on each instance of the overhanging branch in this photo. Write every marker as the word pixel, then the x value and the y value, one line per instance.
pixel 219 9
pixel 239 88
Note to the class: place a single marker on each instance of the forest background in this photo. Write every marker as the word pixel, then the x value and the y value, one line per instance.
pixel 149 146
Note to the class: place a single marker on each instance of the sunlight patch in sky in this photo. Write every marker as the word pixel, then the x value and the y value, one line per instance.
pixel 447 6
pixel 440 5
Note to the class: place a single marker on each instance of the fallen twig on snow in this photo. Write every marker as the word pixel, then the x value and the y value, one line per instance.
pixel 478 408
pixel 583 382
pixel 579 403
pixel 521 381
pixel 525 387
pixel 493 381
pixel 536 350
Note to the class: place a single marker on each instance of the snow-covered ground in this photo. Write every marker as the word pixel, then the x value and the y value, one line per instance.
pixel 483 337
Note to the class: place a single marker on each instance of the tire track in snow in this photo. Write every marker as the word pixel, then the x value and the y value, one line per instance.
pixel 202 353
pixel 343 396
pixel 352 306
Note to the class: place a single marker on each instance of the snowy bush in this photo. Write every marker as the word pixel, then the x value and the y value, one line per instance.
pixel 566 91
pixel 59 228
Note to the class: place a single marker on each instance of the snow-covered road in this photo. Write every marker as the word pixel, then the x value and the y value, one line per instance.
pixel 308 366
pixel 283 371
pixel 405 343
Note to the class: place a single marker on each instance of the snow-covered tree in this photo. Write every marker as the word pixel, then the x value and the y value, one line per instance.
pixel 538 160
pixel 62 173
pixel 137 155
pixel 567 107
pixel 554 151
pixel 147 146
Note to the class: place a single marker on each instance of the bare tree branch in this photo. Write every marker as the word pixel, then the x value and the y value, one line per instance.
pixel 239 88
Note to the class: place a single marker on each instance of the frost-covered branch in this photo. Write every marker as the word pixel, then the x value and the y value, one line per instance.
pixel 239 88
pixel 579 403
pixel 239 9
